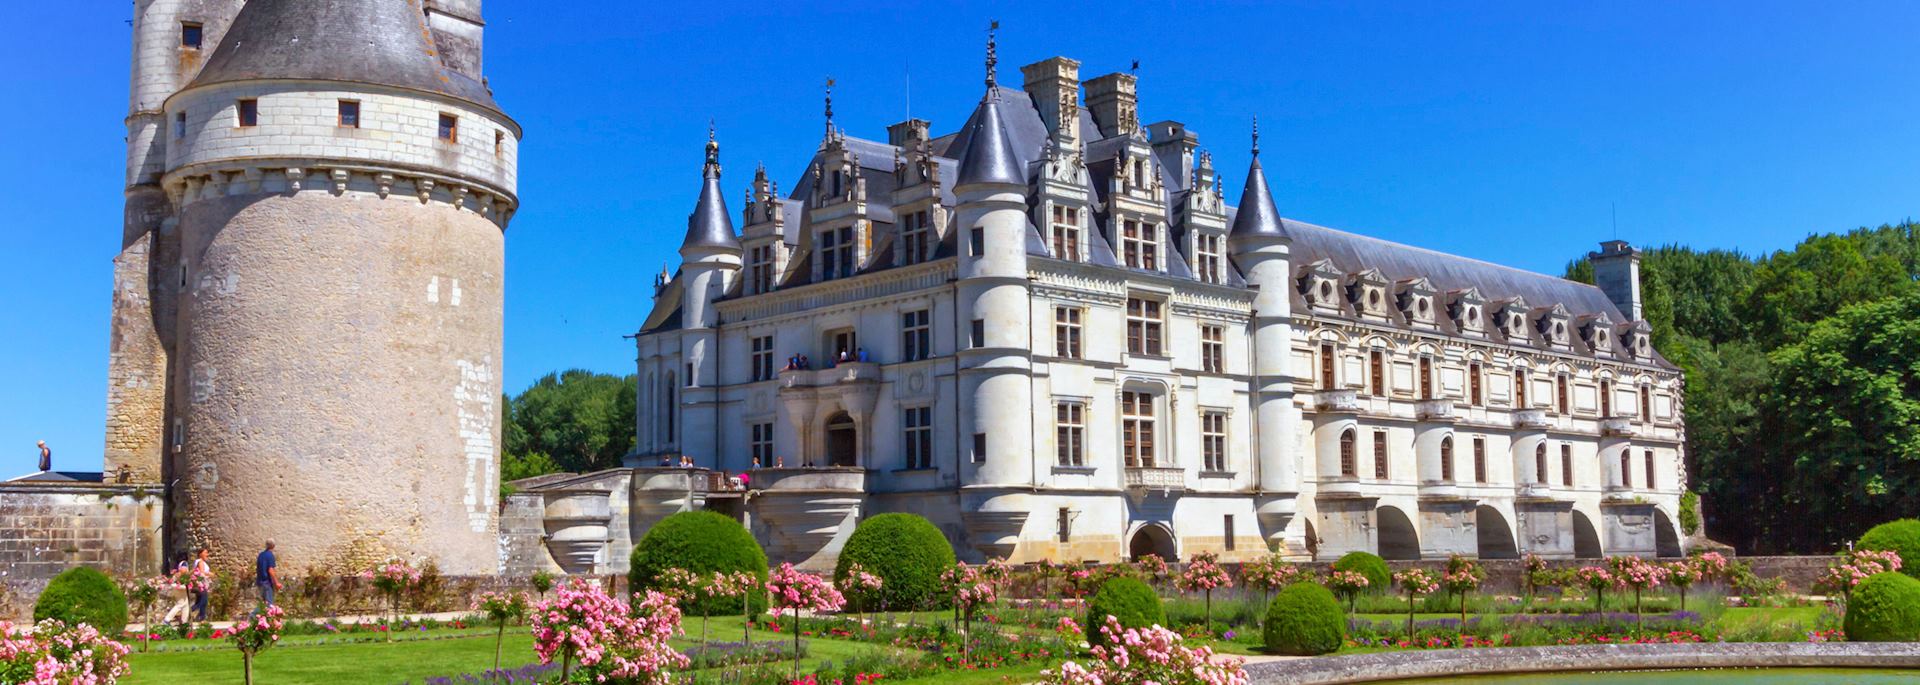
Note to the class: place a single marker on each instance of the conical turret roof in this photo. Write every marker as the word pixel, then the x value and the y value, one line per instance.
pixel 989 157
pixel 1256 216
pixel 382 42
pixel 711 225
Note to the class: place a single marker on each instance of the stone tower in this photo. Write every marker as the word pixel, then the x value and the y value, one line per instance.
pixel 1261 247
pixel 709 262
pixel 320 203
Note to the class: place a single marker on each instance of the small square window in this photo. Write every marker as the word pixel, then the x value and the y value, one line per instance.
pixel 179 124
pixel 349 114
pixel 249 112
pixel 979 447
pixel 190 35
pixel 499 143
pixel 450 128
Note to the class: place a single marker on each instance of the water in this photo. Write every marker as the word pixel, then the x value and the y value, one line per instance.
pixel 1745 676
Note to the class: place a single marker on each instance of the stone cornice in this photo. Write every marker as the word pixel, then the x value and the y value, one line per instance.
pixel 856 289
pixel 284 175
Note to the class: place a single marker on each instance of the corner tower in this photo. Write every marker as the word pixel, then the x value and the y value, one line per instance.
pixel 709 263
pixel 1261 248
pixel 340 194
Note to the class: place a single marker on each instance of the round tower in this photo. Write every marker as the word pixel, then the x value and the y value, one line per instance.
pixel 1260 247
pixel 342 196
pixel 709 262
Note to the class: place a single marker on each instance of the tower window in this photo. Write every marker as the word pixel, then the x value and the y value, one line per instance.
pixel 191 34
pixel 179 124
pixel 1540 463
pixel 499 143
pixel 1380 455
pixel 248 112
pixel 977 335
pixel 979 447
pixel 977 239
pixel 1626 469
pixel 350 114
pixel 1346 454
pixel 450 128
pixel 1446 459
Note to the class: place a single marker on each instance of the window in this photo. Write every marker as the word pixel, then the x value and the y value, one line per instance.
pixel 1066 232
pixel 1540 463
pixel 1377 373
pixel 916 335
pixel 191 34
pixel 1143 327
pixel 1213 354
pixel 1520 389
pixel 499 143
pixel 1606 398
pixel 1446 459
pixel 1648 455
pixel 1213 440
pixel 977 335
pixel 978 239
pixel 1063 524
pixel 836 253
pixel 1560 395
pixel 1066 332
pixel 179 124
pixel 1626 468
pixel 1227 531
pixel 1646 404
pixel 179 435
pixel 914 237
pixel 760 269
pixel 845 345
pixel 979 447
pixel 917 433
pixel 1479 460
pixel 450 128
pixel 1474 395
pixel 1070 433
pixel 1380 471
pixel 1136 428
pixel 762 361
pixel 1426 378
pixel 1566 464
pixel 349 114
pixel 1206 258
pixel 1326 366
pixel 1140 244
pixel 761 444
pixel 247 112
pixel 1347 467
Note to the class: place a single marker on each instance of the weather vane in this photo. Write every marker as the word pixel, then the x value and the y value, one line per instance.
pixel 1256 135
pixel 829 105
pixel 993 59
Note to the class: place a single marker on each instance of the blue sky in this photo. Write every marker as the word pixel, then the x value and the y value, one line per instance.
pixel 1506 131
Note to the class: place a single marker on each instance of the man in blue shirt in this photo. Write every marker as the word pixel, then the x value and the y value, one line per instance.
pixel 264 576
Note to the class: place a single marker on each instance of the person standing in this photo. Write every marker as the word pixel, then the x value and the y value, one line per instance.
pixel 264 574
pixel 178 593
pixel 202 575
pixel 46 457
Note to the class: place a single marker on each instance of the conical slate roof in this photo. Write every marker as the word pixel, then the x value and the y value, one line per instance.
pixel 711 225
pixel 989 157
pixel 1256 216
pixel 383 42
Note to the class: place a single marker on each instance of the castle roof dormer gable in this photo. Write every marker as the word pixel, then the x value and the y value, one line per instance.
pixel 1468 309
pixel 1367 291
pixel 1554 324
pixel 1415 298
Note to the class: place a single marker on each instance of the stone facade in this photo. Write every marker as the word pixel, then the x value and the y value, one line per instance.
pixel 1049 333
pixel 49 527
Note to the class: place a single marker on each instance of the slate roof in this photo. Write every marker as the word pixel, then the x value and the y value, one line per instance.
pixel 382 42
pixel 710 226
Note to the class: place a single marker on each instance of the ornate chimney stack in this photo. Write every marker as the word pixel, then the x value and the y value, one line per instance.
pixel 1113 101
pixel 1616 269
pixel 456 28
pixel 1054 85
pixel 1173 144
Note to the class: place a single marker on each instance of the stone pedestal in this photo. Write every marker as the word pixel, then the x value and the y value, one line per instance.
pixel 1447 527
pixel 1545 526
pixel 1628 528
pixel 1344 524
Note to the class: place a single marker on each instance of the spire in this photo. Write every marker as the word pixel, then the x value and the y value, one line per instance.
pixel 711 226
pixel 829 106
pixel 993 60
pixel 989 155
pixel 1257 217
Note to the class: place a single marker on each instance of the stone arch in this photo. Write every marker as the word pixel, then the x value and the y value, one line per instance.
pixel 1398 538
pixel 1586 539
pixel 1666 536
pixel 843 440
pixel 1153 539
pixel 1495 535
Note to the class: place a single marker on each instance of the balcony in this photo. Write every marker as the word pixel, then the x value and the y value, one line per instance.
pixel 808 479
pixel 1337 400
pixel 1339 487
pixel 1156 478
pixel 1617 427
pixel 844 372
pixel 1433 410
pixel 1534 419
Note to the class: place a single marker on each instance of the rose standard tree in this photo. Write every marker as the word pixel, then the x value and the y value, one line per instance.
pixel 1462 577
pixel 1148 656
pixel 972 589
pixel 1203 574
pixel 861 589
pixel 795 591
pixel 501 607
pixel 253 633
pixel 1416 583
pixel 736 584
pixel 608 638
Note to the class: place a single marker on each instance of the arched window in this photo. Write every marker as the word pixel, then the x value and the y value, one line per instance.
pixel 1326 366
pixel 1540 463
pixel 1347 467
pixel 1426 378
pixel 1606 398
pixel 1446 458
pixel 1519 388
pixel 1473 384
pixel 1626 468
pixel 1377 372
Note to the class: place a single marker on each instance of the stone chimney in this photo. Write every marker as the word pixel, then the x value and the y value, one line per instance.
pixel 1111 100
pixel 906 134
pixel 1173 144
pixel 1616 269
pixel 456 28
pixel 1054 85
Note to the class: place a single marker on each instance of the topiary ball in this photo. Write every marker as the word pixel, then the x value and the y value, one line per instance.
pixel 83 594
pixel 703 542
pixel 908 554
pixel 1884 608
pixel 1901 536
pixel 1305 620
pixel 1369 565
pixel 1129 601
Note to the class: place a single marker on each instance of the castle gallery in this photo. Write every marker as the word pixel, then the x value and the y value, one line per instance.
pixel 1046 330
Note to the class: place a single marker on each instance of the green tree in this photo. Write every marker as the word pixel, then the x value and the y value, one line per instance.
pixel 1794 289
pixel 581 421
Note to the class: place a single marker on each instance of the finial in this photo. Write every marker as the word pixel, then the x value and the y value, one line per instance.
pixel 1256 135
pixel 829 106
pixel 713 151
pixel 993 57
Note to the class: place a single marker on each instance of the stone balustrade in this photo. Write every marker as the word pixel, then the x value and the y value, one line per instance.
pixel 1347 400
pixel 1156 477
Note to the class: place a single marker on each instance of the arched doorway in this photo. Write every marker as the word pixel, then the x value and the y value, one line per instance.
pixel 1586 540
pixel 842 441
pixel 1152 539
pixel 1397 537
pixel 1666 540
pixel 1496 537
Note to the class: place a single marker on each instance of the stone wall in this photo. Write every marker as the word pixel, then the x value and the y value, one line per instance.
pixel 46 528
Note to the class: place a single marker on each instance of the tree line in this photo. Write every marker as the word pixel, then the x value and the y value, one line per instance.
pixel 1802 382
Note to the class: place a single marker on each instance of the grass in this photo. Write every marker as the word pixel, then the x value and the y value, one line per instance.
pixel 334 664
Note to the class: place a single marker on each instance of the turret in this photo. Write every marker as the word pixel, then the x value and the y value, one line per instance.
pixel 709 261
pixel 1260 247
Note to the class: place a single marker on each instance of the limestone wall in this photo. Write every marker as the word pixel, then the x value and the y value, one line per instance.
pixel 46 528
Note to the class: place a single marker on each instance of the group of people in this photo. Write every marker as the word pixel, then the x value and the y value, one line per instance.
pixel 800 362
pixel 193 583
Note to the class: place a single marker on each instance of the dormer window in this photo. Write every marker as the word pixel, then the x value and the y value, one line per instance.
pixel 450 128
pixel 836 253
pixel 1065 233
pixel 916 233
pixel 1318 285
pixel 1206 257
pixel 1140 243
pixel 760 269
pixel 1416 300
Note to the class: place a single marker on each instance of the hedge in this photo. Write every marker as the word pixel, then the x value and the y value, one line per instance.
pixel 908 554
pixel 1902 536
pixel 83 594
pixel 1884 608
pixel 703 542
pixel 1369 565
pixel 1129 601
pixel 1305 620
